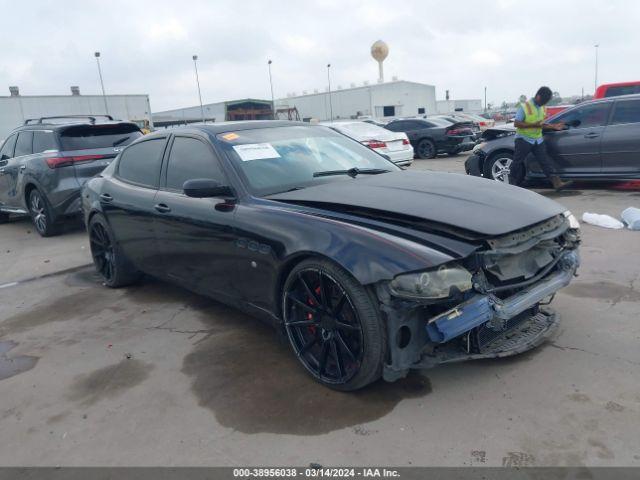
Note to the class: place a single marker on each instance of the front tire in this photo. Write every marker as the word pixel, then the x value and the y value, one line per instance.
pixel 114 268
pixel 42 214
pixel 499 167
pixel 333 325
pixel 426 149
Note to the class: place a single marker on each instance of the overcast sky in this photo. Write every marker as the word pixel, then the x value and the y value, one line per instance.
pixel 510 46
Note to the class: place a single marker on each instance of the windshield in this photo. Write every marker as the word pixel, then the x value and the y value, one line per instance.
pixel 279 159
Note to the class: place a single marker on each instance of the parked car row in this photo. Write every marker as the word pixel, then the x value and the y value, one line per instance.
pixel 601 141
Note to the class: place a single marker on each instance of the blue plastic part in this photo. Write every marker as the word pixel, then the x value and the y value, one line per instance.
pixel 464 317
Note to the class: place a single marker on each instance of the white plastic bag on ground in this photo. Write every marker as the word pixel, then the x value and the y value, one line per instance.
pixel 631 217
pixel 606 221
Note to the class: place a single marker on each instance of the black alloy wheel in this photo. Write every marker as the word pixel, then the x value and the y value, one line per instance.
pixel 329 319
pixel 102 251
pixel 426 149
pixel 113 267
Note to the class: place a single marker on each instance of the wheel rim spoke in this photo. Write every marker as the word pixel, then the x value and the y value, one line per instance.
pixel 323 358
pixel 346 348
pixel 337 358
pixel 346 326
pixel 301 304
pixel 312 295
pixel 102 251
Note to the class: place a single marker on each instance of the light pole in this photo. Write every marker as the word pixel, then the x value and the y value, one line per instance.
pixel 597 45
pixel 104 95
pixel 329 80
pixel 273 103
pixel 485 99
pixel 195 64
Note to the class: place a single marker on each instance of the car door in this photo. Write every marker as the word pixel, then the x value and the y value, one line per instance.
pixel 6 154
pixel 195 235
pixel 577 149
pixel 15 167
pixel 127 199
pixel 621 139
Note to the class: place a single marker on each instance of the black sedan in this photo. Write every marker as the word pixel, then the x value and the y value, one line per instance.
pixel 432 136
pixel 370 270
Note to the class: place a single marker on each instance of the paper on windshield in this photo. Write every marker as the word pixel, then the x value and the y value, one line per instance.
pixel 256 151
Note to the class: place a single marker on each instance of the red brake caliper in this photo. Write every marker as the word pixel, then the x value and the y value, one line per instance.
pixel 312 328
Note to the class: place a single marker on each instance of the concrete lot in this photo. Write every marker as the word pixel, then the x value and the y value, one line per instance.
pixel 154 375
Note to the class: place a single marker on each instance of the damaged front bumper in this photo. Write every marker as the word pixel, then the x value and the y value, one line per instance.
pixel 484 326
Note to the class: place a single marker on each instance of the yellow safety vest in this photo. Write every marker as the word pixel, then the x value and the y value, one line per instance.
pixel 532 114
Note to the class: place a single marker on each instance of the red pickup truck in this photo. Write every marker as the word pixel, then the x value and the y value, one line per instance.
pixel 615 89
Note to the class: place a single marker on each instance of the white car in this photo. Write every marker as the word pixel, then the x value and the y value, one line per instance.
pixel 482 122
pixel 394 145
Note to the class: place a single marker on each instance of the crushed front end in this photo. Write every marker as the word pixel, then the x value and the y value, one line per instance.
pixel 488 305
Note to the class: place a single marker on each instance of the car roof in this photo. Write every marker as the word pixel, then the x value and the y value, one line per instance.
pixel 62 126
pixel 222 127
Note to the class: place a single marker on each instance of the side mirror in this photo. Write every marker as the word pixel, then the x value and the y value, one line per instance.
pixel 206 188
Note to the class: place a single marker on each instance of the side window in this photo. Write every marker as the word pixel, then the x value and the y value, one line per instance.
pixel 8 147
pixel 588 116
pixel 395 126
pixel 625 90
pixel 140 163
pixel 416 125
pixel 189 159
pixel 23 145
pixel 43 141
pixel 626 112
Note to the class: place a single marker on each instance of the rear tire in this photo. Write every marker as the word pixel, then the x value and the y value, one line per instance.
pixel 499 166
pixel 114 268
pixel 42 214
pixel 334 325
pixel 426 149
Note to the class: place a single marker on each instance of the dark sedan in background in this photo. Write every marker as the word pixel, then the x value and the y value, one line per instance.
pixel 432 136
pixel 44 163
pixel 601 142
pixel 368 269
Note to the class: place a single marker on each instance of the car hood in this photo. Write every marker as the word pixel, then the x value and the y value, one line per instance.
pixel 474 204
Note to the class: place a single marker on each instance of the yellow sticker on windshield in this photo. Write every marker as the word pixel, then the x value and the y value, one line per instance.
pixel 230 136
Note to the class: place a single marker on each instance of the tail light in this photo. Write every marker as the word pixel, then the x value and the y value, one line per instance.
pixel 483 124
pixel 456 131
pixel 375 144
pixel 405 141
pixel 57 162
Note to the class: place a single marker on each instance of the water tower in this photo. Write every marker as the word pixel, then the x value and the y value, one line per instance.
pixel 379 51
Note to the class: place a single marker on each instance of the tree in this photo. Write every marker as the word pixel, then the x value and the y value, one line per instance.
pixel 556 99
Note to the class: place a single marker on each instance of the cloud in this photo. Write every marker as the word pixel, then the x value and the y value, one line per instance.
pixel 460 46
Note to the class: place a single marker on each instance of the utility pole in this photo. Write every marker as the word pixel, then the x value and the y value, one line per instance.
pixel 329 80
pixel 104 95
pixel 597 45
pixel 195 64
pixel 485 99
pixel 273 103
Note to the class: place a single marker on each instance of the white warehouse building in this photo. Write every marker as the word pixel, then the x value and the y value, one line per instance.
pixel 398 98
pixel 466 106
pixel 16 108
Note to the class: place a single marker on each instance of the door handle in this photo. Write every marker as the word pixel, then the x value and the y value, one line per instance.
pixel 23 168
pixel 105 197
pixel 592 135
pixel 162 208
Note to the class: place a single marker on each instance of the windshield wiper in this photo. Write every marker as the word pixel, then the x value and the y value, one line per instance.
pixel 123 139
pixel 352 172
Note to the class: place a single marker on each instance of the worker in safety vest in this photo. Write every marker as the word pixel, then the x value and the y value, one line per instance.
pixel 529 123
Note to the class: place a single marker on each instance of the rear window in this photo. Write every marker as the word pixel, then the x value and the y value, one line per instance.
pixel 360 129
pixel 627 111
pixel 86 137
pixel 625 90
pixel 140 163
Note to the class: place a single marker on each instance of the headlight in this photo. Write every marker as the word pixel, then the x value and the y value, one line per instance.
pixel 434 284
pixel 573 221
